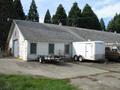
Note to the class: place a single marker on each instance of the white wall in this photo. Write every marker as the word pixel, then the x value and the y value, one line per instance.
pixel 42 49
pixel 13 37
pixel 59 49
pixel 17 35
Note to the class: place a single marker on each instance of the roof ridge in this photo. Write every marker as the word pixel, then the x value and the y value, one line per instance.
pixel 91 30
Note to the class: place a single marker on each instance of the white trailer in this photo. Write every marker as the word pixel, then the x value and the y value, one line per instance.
pixel 90 50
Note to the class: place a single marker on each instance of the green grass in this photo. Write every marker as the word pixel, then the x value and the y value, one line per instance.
pixel 19 82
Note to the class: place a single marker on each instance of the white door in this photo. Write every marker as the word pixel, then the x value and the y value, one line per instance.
pixel 89 51
pixel 16 48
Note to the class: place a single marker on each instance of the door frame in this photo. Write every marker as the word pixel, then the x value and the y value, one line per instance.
pixel 86 50
pixel 16 40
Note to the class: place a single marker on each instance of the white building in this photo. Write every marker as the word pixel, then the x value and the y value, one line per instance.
pixel 27 39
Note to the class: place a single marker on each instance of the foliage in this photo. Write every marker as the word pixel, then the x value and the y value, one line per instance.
pixel 102 24
pixel 6 11
pixel 60 16
pixel 47 18
pixel 74 16
pixel 19 13
pixel 33 13
pixel 114 24
pixel 90 20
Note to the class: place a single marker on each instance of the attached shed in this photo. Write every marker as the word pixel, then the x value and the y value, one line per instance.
pixel 28 39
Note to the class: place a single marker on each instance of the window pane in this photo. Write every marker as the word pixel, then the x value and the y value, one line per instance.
pixel 67 49
pixel 51 48
pixel 33 48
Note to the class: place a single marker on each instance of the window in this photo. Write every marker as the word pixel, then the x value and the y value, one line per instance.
pixel 51 48
pixel 67 49
pixel 33 48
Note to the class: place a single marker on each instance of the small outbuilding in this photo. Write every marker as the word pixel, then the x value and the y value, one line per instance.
pixel 28 39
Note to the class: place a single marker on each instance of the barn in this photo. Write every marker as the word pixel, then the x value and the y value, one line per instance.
pixel 27 40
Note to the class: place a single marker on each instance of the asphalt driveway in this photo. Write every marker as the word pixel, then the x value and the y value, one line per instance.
pixel 61 71
pixel 104 81
pixel 86 75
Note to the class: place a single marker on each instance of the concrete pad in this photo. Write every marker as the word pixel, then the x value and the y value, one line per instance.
pixel 60 71
pixel 106 81
pixel 109 79
pixel 88 84
pixel 115 66
pixel 67 71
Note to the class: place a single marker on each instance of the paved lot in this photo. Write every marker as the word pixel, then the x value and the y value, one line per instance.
pixel 104 81
pixel 85 75
pixel 61 71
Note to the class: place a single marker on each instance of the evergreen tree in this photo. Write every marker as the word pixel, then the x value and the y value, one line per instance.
pixel 33 13
pixel 60 16
pixel 90 20
pixel 55 20
pixel 114 24
pixel 47 18
pixel 111 26
pixel 6 11
pixel 102 24
pixel 19 10
pixel 74 16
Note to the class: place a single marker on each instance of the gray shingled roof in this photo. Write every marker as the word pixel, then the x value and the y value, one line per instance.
pixel 34 31
pixel 94 35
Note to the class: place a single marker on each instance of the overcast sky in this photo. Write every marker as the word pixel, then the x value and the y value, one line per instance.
pixel 105 9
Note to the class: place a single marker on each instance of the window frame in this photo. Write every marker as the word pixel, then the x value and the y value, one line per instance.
pixel 67 50
pixel 49 50
pixel 32 48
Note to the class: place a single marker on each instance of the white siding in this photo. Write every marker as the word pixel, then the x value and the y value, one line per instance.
pixel 23 49
pixel 30 56
pixel 43 48
pixel 13 37
pixel 17 35
pixel 59 49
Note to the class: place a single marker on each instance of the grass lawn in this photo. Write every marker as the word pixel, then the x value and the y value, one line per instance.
pixel 19 82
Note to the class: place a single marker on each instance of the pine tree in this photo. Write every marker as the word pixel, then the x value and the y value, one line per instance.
pixel 33 13
pixel 114 24
pixel 60 16
pixel 89 19
pixel 54 19
pixel 6 11
pixel 19 10
pixel 111 26
pixel 47 18
pixel 102 24
pixel 74 16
